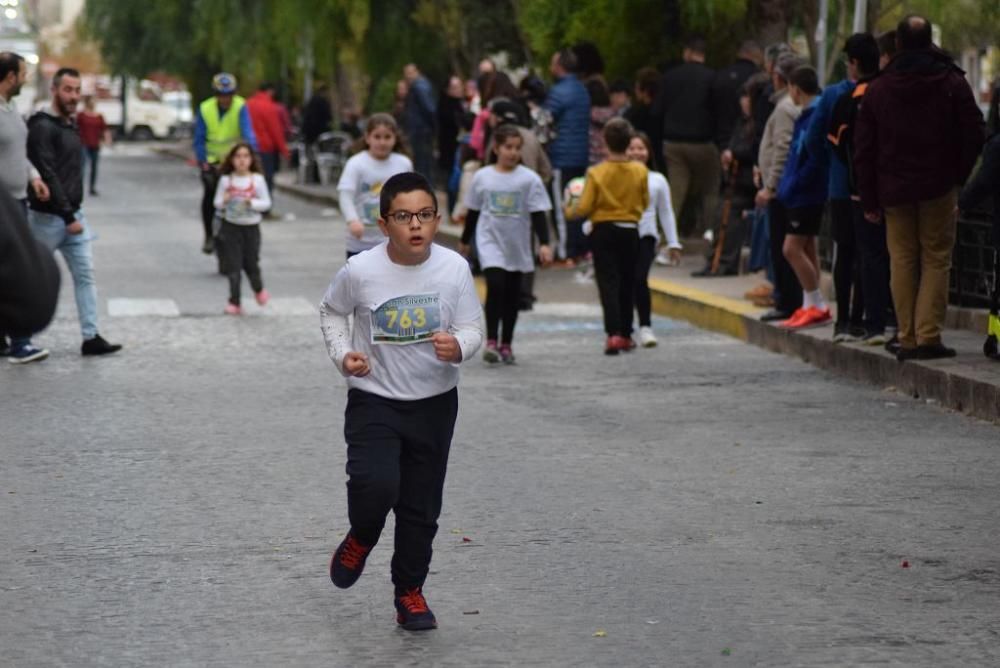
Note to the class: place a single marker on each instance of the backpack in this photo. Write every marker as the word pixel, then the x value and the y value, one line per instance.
pixel 841 130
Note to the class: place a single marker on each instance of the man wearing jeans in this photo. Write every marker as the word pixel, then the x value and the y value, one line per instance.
pixel 54 149
pixel 919 132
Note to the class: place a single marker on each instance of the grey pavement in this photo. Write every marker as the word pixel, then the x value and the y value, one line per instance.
pixel 702 503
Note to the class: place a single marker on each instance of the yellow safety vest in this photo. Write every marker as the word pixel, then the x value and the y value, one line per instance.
pixel 221 134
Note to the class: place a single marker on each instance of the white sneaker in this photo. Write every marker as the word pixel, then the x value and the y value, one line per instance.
pixel 663 258
pixel 646 337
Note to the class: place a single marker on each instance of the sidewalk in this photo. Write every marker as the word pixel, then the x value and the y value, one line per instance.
pixel 969 383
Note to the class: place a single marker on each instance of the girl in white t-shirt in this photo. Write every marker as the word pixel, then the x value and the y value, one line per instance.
pixel 640 149
pixel 505 201
pixel 361 181
pixel 240 199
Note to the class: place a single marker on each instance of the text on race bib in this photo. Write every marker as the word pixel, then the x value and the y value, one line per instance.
pixel 406 320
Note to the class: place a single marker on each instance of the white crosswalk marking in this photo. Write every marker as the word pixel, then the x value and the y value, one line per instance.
pixel 281 306
pixel 123 307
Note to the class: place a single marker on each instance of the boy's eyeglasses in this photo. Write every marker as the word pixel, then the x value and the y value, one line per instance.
pixel 424 216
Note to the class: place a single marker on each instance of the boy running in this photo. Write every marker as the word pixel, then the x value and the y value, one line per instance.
pixel 416 318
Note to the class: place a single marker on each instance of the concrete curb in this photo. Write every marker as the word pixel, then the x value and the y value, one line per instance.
pixel 967 384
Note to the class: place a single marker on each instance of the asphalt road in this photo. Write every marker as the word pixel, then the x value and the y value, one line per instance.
pixel 703 503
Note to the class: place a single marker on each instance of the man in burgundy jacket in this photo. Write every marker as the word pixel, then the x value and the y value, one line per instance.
pixel 917 137
pixel 267 125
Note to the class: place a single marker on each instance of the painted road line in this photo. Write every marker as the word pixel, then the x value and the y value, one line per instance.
pixel 126 307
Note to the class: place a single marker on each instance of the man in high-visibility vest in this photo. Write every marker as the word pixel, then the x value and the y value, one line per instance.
pixel 220 122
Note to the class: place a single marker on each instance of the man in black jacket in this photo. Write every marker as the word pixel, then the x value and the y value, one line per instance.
pixel 55 150
pixel 684 104
pixel 728 88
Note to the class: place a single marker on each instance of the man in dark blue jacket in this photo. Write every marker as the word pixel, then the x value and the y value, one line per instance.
pixel 569 105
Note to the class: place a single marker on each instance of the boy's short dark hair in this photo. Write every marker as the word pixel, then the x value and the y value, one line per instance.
pixel 617 134
pixel 405 182
pixel 647 79
pixel 887 43
pixel 620 86
pixel 863 48
pixel 696 43
pixel 805 79
pixel 567 60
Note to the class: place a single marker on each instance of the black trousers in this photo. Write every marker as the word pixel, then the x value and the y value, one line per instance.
pixel 847 267
pixel 397 457
pixel 209 181
pixel 643 301
pixel 788 292
pixel 616 251
pixel 874 252
pixel 240 253
pixel 503 296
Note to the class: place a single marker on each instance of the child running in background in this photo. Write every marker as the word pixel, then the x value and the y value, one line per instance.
pixel 362 179
pixel 505 201
pixel 416 318
pixel 614 198
pixel 241 198
pixel 640 149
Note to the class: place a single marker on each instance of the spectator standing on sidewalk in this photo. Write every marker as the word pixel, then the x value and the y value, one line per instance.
pixel 93 132
pixel 728 87
pixel 269 130
pixel 849 325
pixel 569 104
pixel 686 109
pixel 873 256
pixel 450 118
pixel 220 122
pixel 771 159
pixel 418 120
pixel 54 149
pixel 15 170
pixel 737 161
pixel 640 113
pixel 803 191
pixel 919 133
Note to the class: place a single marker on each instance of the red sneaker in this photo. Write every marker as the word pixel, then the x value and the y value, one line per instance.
pixel 810 317
pixel 797 315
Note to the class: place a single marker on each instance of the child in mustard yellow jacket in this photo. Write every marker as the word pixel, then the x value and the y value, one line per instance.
pixel 614 197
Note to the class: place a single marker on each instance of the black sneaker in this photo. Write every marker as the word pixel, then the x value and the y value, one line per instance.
pixel 4 347
pixel 208 246
pixel 412 612
pixel 892 345
pixel 857 331
pixel 348 562
pixel 841 332
pixel 904 354
pixel 98 346
pixel 935 351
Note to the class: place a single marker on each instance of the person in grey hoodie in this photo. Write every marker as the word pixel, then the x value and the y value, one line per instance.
pixel 771 162
pixel 15 170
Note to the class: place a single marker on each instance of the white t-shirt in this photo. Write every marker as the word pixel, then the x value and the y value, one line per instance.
pixel 396 308
pixel 248 197
pixel 659 205
pixel 505 201
pixel 359 188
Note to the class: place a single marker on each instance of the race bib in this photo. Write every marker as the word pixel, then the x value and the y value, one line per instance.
pixel 370 213
pixel 505 203
pixel 406 320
